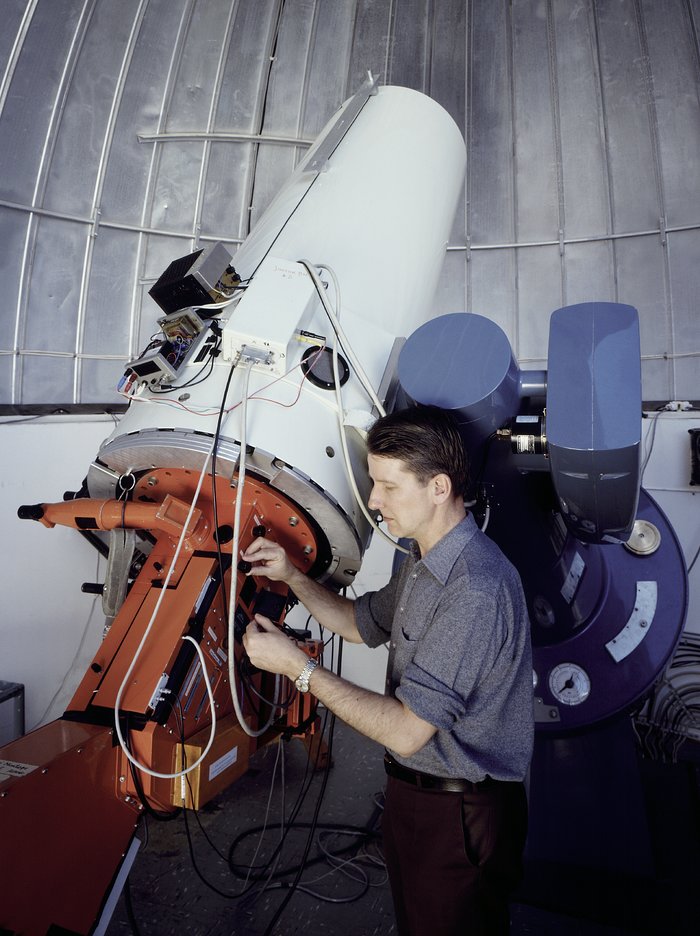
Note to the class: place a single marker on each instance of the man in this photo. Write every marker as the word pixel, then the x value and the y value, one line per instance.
pixel 457 716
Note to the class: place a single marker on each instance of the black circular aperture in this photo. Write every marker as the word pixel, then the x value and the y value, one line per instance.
pixel 223 534
pixel 317 364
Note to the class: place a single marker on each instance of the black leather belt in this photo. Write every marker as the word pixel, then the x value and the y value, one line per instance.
pixel 427 782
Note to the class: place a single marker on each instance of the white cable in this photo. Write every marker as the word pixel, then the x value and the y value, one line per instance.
pixel 364 380
pixel 252 733
pixel 487 517
pixel 161 596
pixel 213 305
pixel 279 755
pixel 237 292
pixel 346 456
pixel 333 317
pixel 69 671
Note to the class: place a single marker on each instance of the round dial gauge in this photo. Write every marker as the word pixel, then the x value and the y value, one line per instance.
pixel 569 684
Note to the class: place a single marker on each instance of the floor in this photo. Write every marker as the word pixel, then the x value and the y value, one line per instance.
pixel 181 882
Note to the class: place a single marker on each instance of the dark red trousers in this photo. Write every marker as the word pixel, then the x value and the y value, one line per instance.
pixel 453 858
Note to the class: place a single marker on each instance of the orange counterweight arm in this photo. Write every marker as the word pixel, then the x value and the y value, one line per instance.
pixel 86 513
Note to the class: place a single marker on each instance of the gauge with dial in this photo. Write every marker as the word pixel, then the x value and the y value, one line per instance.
pixel 569 683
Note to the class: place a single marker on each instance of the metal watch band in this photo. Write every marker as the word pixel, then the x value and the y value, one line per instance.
pixel 302 680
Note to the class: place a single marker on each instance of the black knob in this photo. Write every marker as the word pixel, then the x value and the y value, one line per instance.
pixel 259 530
pixel 244 566
pixel 30 512
pixel 92 588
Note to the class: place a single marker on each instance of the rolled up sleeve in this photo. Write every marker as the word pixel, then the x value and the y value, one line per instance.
pixel 373 615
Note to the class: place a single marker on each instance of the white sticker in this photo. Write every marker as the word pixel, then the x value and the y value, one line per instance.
pixel 229 758
pixel 10 769
pixel 571 583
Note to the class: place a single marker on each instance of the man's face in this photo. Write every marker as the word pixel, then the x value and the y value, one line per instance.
pixel 407 506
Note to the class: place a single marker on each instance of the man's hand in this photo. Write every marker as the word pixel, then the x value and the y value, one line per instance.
pixel 269 559
pixel 330 609
pixel 271 650
pixel 383 718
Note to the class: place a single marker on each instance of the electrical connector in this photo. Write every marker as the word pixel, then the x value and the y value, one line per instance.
pixel 675 406
pixel 250 355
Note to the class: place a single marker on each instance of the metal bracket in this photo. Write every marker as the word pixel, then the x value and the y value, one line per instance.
pixel 122 543
pixel 332 139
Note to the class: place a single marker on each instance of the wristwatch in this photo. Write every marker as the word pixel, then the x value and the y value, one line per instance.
pixel 302 680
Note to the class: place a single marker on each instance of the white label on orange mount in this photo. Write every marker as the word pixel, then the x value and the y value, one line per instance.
pixel 9 769
pixel 229 758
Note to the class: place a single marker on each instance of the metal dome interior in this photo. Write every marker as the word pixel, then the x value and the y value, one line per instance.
pixel 132 133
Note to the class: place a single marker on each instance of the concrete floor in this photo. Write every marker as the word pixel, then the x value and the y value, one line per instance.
pixel 169 898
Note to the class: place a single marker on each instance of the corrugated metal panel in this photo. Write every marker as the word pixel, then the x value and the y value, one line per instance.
pixel 132 132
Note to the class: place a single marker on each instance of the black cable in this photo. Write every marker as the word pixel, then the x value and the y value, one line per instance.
pixel 309 841
pixel 313 181
pixel 694 560
pixel 283 705
pixel 188 834
pixel 254 879
pixel 271 59
pixel 196 378
pixel 215 503
pixel 135 775
pixel 204 832
pixel 338 864
pixel 27 419
pixel 130 908
pixel 321 826
pixel 190 847
pixel 304 788
pixel 303 792
pixel 479 476
pixel 295 883
pixel 190 842
pixel 159 816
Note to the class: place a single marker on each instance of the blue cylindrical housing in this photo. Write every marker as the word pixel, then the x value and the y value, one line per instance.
pixel 463 362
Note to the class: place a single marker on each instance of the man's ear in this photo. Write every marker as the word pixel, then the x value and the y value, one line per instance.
pixel 442 488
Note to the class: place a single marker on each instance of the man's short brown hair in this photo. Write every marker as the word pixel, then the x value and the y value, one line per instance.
pixel 427 440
